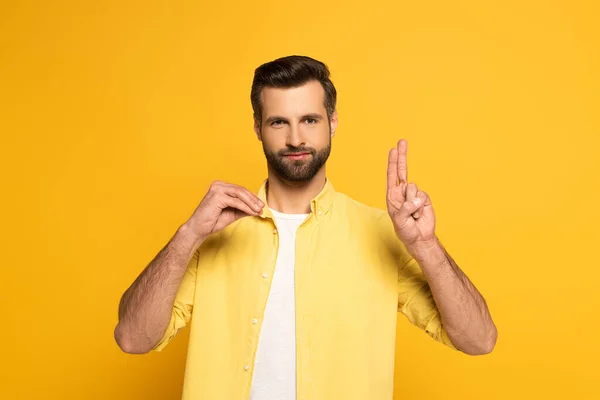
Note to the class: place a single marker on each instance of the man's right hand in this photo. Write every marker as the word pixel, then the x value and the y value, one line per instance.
pixel 223 204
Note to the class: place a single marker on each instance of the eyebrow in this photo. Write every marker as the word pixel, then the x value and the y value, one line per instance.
pixel 277 118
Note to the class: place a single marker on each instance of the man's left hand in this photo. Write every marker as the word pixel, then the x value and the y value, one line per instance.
pixel 410 208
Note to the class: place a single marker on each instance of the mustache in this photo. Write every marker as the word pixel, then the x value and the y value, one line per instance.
pixel 296 150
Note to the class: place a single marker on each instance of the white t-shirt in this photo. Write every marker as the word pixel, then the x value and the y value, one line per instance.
pixel 274 376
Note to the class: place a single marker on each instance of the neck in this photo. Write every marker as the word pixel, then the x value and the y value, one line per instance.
pixel 293 197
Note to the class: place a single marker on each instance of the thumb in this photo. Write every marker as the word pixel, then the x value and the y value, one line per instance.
pixel 239 214
pixel 409 207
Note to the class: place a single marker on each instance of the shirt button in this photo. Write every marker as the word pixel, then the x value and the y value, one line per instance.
pixel 246 367
pixel 265 275
pixel 320 213
pixel 254 320
pixel 275 231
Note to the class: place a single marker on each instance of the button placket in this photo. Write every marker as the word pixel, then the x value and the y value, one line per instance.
pixel 254 320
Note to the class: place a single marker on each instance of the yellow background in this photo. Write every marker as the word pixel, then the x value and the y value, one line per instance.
pixel 116 116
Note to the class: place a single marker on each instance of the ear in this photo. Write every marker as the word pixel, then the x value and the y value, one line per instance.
pixel 333 122
pixel 257 129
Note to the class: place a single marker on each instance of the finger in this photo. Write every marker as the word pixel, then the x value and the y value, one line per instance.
pixel 245 195
pixel 402 187
pixel 402 167
pixel 239 204
pixel 424 200
pixel 411 191
pixel 392 171
pixel 409 207
pixel 253 197
pixel 238 188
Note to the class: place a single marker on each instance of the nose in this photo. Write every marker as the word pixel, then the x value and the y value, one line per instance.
pixel 294 138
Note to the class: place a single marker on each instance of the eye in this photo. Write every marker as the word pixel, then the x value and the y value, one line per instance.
pixel 277 122
pixel 311 121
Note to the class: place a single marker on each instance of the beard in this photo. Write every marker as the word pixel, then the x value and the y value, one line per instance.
pixel 297 170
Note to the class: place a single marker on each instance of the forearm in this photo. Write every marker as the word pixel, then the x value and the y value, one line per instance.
pixel 146 306
pixel 463 310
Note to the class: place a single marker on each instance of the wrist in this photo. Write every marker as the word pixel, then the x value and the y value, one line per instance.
pixel 188 234
pixel 421 249
pixel 431 256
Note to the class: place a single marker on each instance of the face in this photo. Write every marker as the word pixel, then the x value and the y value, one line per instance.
pixel 295 131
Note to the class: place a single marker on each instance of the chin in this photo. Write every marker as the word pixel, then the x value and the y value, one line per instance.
pixel 298 178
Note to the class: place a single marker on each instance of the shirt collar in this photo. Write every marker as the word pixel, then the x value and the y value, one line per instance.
pixel 319 205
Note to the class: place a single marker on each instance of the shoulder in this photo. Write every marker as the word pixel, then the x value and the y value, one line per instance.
pixel 375 224
pixel 371 220
pixel 359 210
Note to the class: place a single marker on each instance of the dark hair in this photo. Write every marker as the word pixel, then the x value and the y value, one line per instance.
pixel 289 72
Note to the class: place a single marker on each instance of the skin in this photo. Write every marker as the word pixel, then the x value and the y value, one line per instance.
pixel 287 125
pixel 295 120
pixel 463 310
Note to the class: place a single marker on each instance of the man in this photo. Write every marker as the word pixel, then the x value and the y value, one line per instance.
pixel 294 292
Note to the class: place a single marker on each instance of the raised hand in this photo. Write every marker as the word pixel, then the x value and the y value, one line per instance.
pixel 410 208
pixel 223 204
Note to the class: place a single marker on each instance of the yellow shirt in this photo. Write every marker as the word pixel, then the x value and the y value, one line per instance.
pixel 352 277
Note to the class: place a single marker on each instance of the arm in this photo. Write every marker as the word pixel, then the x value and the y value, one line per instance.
pixel 159 302
pixel 464 312
pixel 146 306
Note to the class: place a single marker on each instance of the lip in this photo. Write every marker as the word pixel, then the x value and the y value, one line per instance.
pixel 297 156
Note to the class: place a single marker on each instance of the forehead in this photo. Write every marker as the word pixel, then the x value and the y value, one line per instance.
pixel 296 101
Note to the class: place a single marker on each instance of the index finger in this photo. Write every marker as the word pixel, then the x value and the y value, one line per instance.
pixel 244 194
pixel 402 167
pixel 392 171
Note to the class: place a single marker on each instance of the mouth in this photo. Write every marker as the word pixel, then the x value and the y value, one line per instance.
pixel 297 156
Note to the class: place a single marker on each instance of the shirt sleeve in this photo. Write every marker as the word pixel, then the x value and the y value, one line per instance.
pixel 416 302
pixel 183 305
